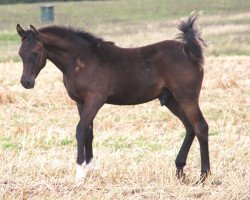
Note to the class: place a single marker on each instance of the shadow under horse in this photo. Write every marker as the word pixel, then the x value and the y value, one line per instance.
pixel 96 72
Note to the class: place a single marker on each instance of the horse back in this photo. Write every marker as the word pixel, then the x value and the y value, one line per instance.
pixel 138 75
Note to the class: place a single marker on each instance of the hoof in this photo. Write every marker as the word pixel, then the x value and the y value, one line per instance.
pixel 82 171
pixel 180 174
pixel 202 178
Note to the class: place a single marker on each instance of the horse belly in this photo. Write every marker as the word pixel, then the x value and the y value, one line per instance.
pixel 133 94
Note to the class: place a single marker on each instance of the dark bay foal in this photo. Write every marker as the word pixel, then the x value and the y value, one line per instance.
pixel 96 72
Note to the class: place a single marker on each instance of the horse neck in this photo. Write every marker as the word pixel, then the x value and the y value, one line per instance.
pixel 62 52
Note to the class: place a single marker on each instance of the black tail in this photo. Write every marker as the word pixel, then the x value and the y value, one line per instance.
pixel 191 37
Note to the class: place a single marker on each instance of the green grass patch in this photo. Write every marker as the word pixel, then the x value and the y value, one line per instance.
pixel 148 144
pixel 66 141
pixel 213 133
pixel 214 114
pixel 8 143
pixel 58 142
pixel 230 43
pixel 10 37
pixel 5 59
pixel 45 142
pixel 95 12
pixel 183 134
pixel 120 143
pixel 116 144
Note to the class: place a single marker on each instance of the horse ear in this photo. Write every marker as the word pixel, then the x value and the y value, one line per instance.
pixel 34 30
pixel 19 30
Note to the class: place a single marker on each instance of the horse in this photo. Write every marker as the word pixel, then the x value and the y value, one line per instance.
pixel 97 72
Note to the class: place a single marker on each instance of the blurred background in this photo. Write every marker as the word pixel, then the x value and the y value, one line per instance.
pixel 131 23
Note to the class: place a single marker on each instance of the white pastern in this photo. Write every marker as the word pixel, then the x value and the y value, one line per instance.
pixel 79 173
pixel 83 170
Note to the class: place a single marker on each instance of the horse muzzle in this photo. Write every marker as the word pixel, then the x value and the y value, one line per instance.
pixel 27 83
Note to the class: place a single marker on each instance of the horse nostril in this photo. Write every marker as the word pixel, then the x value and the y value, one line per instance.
pixel 28 83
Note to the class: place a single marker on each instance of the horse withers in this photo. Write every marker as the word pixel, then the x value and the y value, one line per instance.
pixel 96 72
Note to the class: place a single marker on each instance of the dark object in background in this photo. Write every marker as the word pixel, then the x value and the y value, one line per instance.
pixel 47 13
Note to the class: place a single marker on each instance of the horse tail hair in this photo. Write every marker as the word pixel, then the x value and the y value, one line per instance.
pixel 190 36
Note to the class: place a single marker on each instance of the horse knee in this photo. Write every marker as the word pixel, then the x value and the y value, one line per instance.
pixel 82 133
pixel 79 132
pixel 201 130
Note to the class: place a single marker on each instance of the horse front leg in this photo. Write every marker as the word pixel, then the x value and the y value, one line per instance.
pixel 84 137
pixel 87 152
pixel 84 151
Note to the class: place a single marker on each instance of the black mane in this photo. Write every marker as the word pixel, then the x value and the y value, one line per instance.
pixel 72 33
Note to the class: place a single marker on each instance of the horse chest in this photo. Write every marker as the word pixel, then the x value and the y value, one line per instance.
pixel 72 90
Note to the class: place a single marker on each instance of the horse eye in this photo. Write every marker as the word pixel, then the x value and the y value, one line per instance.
pixel 35 53
pixel 24 37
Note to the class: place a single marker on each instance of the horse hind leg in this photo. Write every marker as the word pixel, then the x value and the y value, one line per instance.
pixel 168 100
pixel 200 126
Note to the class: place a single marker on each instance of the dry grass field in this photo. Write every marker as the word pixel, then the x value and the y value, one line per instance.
pixel 134 146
